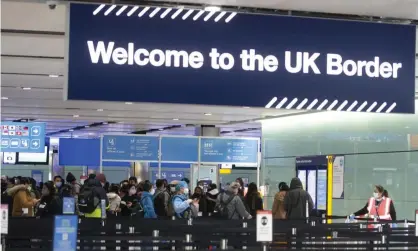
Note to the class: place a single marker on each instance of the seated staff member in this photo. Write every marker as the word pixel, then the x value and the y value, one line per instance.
pixel 380 206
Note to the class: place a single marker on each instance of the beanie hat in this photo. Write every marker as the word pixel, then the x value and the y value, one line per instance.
pixel 70 178
pixel 101 177
pixel 180 185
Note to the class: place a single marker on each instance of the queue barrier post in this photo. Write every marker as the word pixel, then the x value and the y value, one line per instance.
pixel 224 244
pixel 244 225
pixel 294 236
pixel 155 234
pixel 189 241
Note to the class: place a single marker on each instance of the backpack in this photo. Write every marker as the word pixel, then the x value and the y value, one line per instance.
pixel 221 209
pixel 159 201
pixel 86 200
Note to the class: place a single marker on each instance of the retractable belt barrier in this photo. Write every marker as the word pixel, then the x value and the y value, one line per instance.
pixel 126 233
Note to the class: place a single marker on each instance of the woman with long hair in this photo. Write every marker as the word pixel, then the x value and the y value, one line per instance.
pixel 253 199
pixel 50 203
pixel 278 210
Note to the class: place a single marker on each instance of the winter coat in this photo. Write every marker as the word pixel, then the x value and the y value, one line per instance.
pixel 100 194
pixel 114 201
pixel 236 208
pixel 295 201
pixel 148 205
pixel 278 206
pixel 22 200
pixel 49 206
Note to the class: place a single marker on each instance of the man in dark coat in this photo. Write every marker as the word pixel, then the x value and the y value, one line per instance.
pixel 295 201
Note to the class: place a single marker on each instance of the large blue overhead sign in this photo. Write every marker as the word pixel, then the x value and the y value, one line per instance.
pixel 129 148
pixel 180 149
pixel 229 150
pixel 22 137
pixel 169 55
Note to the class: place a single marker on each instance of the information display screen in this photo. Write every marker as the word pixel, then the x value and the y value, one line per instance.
pixel 302 177
pixel 65 233
pixel 322 190
pixel 180 149
pixel 312 185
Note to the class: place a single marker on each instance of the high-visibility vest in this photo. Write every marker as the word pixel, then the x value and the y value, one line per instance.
pixel 381 212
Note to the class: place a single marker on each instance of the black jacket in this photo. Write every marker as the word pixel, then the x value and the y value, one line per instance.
pixel 49 206
pixel 295 201
pixel 254 202
pixel 99 191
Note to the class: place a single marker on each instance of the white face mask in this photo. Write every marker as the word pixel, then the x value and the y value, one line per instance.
pixel 376 195
pixel 172 189
pixel 186 191
pixel 152 192
pixel 58 184
pixel 132 191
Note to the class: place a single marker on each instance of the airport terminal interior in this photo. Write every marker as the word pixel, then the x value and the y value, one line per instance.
pixel 202 125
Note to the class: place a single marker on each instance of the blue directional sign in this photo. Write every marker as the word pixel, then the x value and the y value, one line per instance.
pixel 130 148
pixel 65 233
pixel 168 175
pixel 22 137
pixel 228 150
pixel 180 149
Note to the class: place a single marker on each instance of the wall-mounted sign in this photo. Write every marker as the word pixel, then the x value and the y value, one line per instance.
pixel 229 150
pixel 130 148
pixel 65 233
pixel 168 175
pixel 338 177
pixel 22 137
pixel 274 61
pixel 180 149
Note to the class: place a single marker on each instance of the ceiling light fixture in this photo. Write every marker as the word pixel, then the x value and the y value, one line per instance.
pixel 161 129
pixel 53 76
pixel 175 119
pixel 105 123
pixel 71 130
pixel 128 103
pixel 246 107
pixel 4 98
pixel 87 126
pixel 99 110
pixel 208 114
pixel 76 116
pixel 212 8
pixel 26 88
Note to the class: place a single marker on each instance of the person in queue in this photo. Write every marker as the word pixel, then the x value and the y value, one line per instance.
pixel 203 202
pixel 34 190
pixel 195 205
pixel 278 210
pixel 253 199
pixel 181 202
pixel 114 199
pixel 124 183
pixel 133 181
pixel 211 197
pixel 295 201
pixel 234 205
pixel 379 206
pixel 241 190
pixel 130 204
pixel 23 202
pixel 147 201
pixel 96 185
pixel 75 187
pixel 161 199
pixel 58 183
pixel 50 203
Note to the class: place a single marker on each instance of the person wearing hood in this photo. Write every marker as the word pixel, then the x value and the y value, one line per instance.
pixel 211 197
pixel 50 203
pixel 233 203
pixel 130 204
pixel 278 205
pixel 295 201
pixel 181 202
pixel 147 201
pixel 23 202
pixel 114 199
pixel 71 180
pixel 100 194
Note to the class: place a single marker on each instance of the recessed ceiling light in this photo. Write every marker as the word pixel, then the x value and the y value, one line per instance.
pixel 99 110
pixel 90 133
pixel 246 107
pixel 75 136
pixel 212 8
pixel 87 126
pixel 175 119
pixel 161 129
pixel 4 98
pixel 26 88
pixel 76 116
pixel 105 123
pixel 128 103
pixel 53 76
pixel 71 130
pixel 208 114
pixel 120 122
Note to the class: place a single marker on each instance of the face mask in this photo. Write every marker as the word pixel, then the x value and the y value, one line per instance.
pixel 29 189
pixel 132 191
pixel 186 191
pixel 152 192
pixel 376 195
pixel 58 184
pixel 172 189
